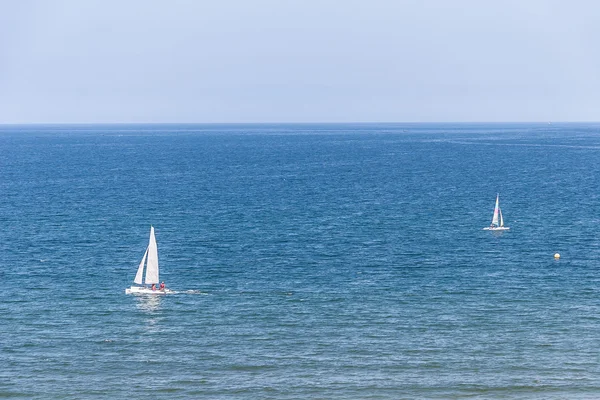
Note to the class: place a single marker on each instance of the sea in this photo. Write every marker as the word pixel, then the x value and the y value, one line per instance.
pixel 308 261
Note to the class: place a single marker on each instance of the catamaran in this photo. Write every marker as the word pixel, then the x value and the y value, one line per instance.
pixel 497 220
pixel 151 255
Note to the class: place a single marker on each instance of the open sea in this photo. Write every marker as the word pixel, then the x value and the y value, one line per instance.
pixel 321 261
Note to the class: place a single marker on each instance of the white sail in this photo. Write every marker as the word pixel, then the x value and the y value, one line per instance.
pixel 501 219
pixel 496 210
pixel 140 271
pixel 152 265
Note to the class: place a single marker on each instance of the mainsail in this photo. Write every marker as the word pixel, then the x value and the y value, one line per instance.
pixel 152 266
pixel 496 212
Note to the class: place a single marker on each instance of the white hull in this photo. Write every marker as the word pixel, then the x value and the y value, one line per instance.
pixel 496 228
pixel 145 290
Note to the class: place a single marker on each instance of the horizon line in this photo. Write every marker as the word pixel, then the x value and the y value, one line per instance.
pixel 294 123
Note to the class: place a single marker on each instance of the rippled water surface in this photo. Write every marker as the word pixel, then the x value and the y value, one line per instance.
pixel 309 261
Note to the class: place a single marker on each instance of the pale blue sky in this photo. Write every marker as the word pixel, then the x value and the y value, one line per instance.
pixel 87 61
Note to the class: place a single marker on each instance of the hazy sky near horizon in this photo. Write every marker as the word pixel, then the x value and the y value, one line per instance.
pixel 87 61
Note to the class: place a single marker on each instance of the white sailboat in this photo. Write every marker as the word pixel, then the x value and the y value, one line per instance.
pixel 497 220
pixel 151 260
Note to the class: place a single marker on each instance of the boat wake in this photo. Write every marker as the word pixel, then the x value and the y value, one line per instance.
pixel 170 292
pixel 194 292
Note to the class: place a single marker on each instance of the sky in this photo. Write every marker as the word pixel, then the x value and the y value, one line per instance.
pixel 236 61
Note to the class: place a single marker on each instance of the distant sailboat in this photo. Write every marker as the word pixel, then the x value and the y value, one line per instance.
pixel 497 220
pixel 151 256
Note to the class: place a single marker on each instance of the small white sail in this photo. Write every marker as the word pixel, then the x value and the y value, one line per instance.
pixel 496 211
pixel 140 271
pixel 501 219
pixel 152 265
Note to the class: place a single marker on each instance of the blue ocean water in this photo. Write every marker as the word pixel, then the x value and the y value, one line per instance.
pixel 331 261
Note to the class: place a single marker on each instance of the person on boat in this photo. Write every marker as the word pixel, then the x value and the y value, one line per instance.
pixel 162 286
pixel 154 286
